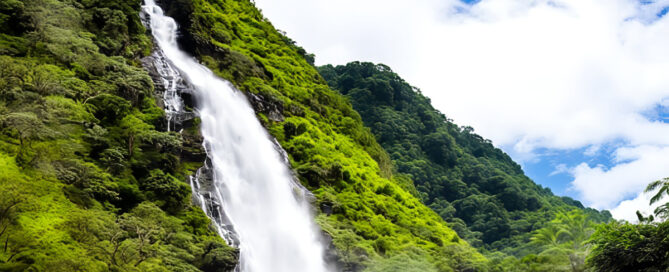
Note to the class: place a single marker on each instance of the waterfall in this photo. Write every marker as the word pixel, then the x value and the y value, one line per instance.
pixel 253 198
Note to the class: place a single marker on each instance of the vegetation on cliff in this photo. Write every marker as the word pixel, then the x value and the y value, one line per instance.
pixel 373 220
pixel 89 180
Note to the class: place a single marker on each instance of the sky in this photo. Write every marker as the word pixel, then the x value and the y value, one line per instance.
pixel 576 91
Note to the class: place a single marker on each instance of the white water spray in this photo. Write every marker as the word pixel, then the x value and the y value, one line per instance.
pixel 273 224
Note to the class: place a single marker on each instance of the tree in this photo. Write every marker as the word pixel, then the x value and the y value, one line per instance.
pixel 662 187
pixel 622 246
pixel 629 247
pixel 643 219
pixel 9 201
pixel 217 257
pixel 133 127
pixel 109 109
pixel 146 226
pixel 128 240
pixel 26 125
pixel 14 241
pixel 171 193
pixel 567 237
pixel 87 177
pixel 113 158
pixel 550 237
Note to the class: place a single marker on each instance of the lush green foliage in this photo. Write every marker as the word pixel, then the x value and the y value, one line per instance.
pixel 621 246
pixel 566 238
pixel 88 181
pixel 561 245
pixel 373 220
pixel 629 247
pixel 476 187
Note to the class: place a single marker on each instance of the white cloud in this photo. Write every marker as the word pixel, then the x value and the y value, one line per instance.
pixel 605 188
pixel 627 209
pixel 559 169
pixel 592 150
pixel 554 74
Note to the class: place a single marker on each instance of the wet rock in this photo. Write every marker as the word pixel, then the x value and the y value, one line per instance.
pixel 192 149
pixel 187 98
pixel 326 208
pixel 272 108
pixel 333 257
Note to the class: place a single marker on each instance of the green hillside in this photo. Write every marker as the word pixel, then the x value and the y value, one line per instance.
pixel 91 181
pixel 373 220
pixel 477 188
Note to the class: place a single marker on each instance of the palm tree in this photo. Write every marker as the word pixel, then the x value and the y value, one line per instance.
pixel 663 185
pixel 550 236
pixel 662 211
pixel 643 219
pixel 566 236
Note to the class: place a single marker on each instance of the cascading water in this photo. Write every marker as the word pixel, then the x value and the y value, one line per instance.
pixel 273 226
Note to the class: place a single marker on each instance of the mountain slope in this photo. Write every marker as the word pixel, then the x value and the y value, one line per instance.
pixel 89 179
pixel 474 186
pixel 373 221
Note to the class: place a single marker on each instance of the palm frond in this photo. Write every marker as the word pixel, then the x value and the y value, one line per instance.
pixel 662 211
pixel 660 194
pixel 653 185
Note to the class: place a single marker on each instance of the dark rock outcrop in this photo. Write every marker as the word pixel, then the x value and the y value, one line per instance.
pixel 272 108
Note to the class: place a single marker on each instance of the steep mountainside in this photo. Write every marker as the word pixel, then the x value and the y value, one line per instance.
pixel 474 186
pixel 373 221
pixel 91 181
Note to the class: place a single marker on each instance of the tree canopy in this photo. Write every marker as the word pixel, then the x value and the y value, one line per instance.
pixel 477 188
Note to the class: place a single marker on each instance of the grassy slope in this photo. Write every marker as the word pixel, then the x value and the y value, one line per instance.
pixel 373 220
pixel 87 179
pixel 476 187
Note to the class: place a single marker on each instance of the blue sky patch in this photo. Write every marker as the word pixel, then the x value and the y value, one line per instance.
pixel 650 11
pixel 470 2
pixel 659 113
pixel 663 12
pixel 550 168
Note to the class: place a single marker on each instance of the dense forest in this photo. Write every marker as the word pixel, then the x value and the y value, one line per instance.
pixel 89 179
pixel 92 180
pixel 477 188
pixel 372 220
pixel 485 196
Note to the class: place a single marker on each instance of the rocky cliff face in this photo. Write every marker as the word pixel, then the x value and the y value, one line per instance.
pixel 170 89
pixel 185 121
